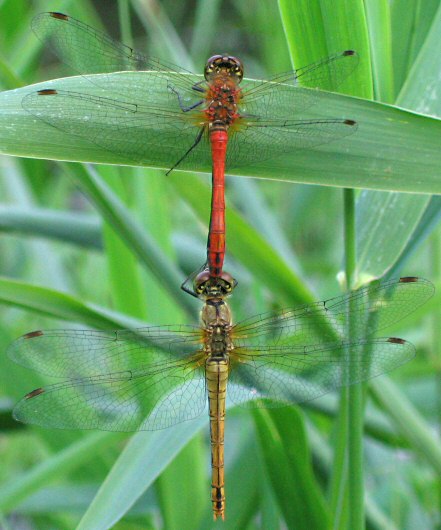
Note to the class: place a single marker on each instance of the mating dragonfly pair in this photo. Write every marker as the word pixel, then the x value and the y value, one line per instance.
pixel 155 377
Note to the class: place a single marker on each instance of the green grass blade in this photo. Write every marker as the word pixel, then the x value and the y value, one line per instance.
pixel 78 229
pixel 379 23
pixel 409 421
pixel 381 236
pixel 124 275
pixel 403 23
pixel 141 462
pixel 421 90
pixel 286 455
pixel 246 244
pixel 206 15
pixel 139 241
pixel 426 226
pixel 326 28
pixel 54 467
pixel 62 306
pixel 182 489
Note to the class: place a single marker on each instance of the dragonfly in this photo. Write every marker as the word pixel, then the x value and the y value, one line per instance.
pixel 164 116
pixel 155 377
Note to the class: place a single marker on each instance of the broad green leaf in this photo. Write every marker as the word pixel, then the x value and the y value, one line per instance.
pixel 403 19
pixel 427 224
pixel 410 22
pixel 379 249
pixel 327 28
pixel 392 149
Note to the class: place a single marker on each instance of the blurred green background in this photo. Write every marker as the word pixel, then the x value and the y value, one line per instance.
pixel 107 247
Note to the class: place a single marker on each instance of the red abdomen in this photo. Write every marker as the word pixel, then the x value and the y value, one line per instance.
pixel 216 236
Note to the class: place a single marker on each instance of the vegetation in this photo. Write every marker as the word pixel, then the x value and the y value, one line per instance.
pixel 107 247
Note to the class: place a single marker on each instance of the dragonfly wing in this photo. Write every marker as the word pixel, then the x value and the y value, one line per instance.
pixel 147 135
pixel 373 307
pixel 289 94
pixel 326 74
pixel 296 374
pixel 273 114
pixel 147 399
pixel 88 50
pixel 262 140
pixel 78 354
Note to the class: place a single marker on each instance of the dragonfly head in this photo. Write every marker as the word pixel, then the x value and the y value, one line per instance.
pixel 208 287
pixel 224 65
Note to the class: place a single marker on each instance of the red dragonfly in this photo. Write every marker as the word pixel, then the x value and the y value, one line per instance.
pixel 171 118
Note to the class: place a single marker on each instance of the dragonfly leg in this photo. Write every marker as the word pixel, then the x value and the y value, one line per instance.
pixel 181 105
pixel 187 289
pixel 197 86
pixel 195 143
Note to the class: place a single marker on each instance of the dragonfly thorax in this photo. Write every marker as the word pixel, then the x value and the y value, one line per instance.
pixel 222 98
pixel 216 320
pixel 215 312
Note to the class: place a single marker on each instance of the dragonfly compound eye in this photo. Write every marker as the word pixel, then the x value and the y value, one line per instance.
pixel 200 282
pixel 206 286
pixel 228 282
pixel 225 64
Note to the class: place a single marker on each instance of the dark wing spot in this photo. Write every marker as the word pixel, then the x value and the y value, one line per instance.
pixel 34 393
pixel 33 334
pixel 47 92
pixel 395 340
pixel 408 279
pixel 60 16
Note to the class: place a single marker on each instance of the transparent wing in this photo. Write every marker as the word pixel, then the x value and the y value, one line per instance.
pixel 143 119
pixel 90 51
pixel 326 74
pixel 295 374
pixel 273 118
pixel 371 308
pixel 267 139
pixel 145 399
pixel 159 134
pixel 288 95
pixel 78 354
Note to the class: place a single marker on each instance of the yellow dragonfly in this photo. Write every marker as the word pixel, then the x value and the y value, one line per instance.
pixel 155 377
